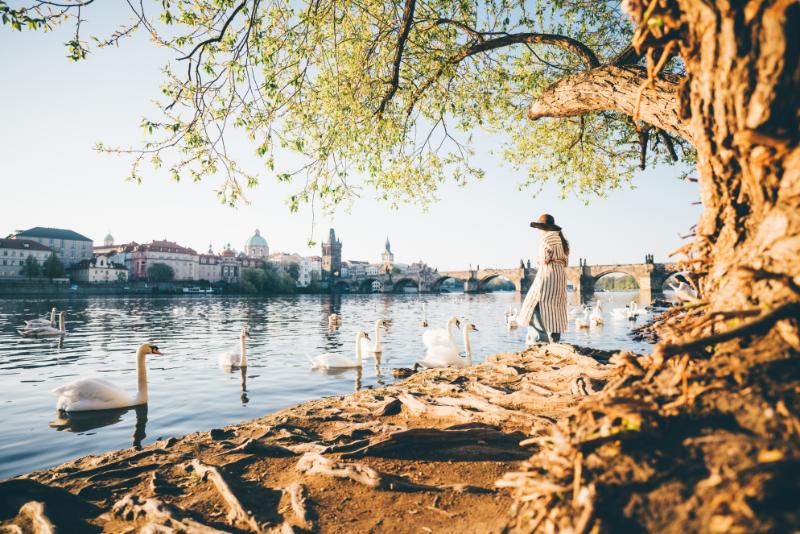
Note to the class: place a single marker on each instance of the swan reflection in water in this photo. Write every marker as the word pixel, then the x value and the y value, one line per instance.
pixel 340 371
pixel 80 422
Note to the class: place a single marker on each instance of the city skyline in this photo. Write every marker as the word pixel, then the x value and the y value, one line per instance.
pixel 53 177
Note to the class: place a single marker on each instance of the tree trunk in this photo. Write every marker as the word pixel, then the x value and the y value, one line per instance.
pixel 709 444
pixel 744 86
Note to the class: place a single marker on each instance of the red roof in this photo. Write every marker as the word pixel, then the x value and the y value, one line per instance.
pixel 167 246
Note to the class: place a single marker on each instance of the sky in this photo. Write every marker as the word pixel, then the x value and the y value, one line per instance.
pixel 53 112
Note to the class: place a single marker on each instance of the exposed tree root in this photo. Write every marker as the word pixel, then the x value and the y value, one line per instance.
pixel 237 515
pixel 152 515
pixel 301 505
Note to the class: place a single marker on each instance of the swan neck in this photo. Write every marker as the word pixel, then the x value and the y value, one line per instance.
pixel 243 363
pixel 358 349
pixel 467 344
pixel 450 324
pixel 377 336
pixel 61 322
pixel 141 372
pixel 53 316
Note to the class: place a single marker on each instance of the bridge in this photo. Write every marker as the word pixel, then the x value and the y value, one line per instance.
pixel 650 277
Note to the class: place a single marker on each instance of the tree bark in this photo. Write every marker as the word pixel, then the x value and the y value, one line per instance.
pixel 743 92
pixel 612 88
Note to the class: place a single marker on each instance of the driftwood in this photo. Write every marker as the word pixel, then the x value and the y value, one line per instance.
pixel 301 505
pixel 158 516
pixel 237 515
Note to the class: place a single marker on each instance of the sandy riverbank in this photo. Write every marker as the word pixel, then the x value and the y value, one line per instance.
pixel 423 455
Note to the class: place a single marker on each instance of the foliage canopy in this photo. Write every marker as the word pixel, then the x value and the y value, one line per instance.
pixel 396 95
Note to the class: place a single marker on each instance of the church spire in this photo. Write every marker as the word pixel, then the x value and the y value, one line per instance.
pixel 388 245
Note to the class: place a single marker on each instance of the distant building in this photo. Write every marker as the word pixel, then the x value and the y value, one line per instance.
pixel 331 258
pixel 387 257
pixel 99 270
pixel 310 270
pixel 108 246
pixel 208 267
pixel 256 247
pixel 357 268
pixel 184 261
pixel 14 252
pixel 70 247
pixel 230 267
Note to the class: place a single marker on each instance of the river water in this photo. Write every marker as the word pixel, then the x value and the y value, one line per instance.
pixel 188 390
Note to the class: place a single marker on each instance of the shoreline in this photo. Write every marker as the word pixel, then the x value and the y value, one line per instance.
pixel 435 444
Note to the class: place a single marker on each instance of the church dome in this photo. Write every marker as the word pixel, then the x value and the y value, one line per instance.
pixel 256 240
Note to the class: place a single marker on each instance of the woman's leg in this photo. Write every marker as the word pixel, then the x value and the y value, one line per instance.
pixel 536 317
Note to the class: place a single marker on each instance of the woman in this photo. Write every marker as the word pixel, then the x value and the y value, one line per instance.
pixel 545 305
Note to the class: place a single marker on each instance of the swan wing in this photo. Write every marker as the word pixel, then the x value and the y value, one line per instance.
pixel 230 359
pixel 441 356
pixel 435 337
pixel 329 361
pixel 91 394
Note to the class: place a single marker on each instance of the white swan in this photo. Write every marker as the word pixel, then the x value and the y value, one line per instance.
pixel 376 347
pixel 424 322
pixel 511 319
pixel 582 322
pixel 236 358
pixel 596 319
pixel 96 394
pixel 334 321
pixel 441 336
pixel 532 337
pixel 43 322
pixel 337 361
pixel 47 330
pixel 444 356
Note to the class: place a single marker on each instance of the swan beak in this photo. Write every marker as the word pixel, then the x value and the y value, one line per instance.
pixel 366 336
pixel 156 351
pixel 474 328
pixel 247 334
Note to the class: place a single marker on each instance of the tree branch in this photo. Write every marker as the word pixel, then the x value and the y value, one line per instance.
pixel 408 20
pixel 219 37
pixel 612 88
pixel 586 55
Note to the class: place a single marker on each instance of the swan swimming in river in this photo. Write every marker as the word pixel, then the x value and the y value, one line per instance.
pixel 236 357
pixel 445 356
pixel 338 361
pixel 88 394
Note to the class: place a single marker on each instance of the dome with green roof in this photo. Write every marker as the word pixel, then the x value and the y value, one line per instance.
pixel 256 246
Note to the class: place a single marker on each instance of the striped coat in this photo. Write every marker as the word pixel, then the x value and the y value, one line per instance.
pixel 549 288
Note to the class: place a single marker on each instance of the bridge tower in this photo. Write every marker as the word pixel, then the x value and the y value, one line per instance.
pixel 331 259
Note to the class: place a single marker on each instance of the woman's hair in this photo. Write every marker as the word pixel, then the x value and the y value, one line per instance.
pixel 546 218
pixel 564 243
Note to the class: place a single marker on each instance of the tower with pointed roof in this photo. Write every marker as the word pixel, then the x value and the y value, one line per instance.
pixel 331 257
pixel 387 256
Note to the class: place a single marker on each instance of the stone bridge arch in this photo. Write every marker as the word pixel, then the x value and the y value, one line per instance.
pixel 404 282
pixel 487 276
pixel 436 286
pixel 341 286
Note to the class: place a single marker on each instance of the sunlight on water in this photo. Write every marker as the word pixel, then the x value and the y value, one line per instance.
pixel 189 392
